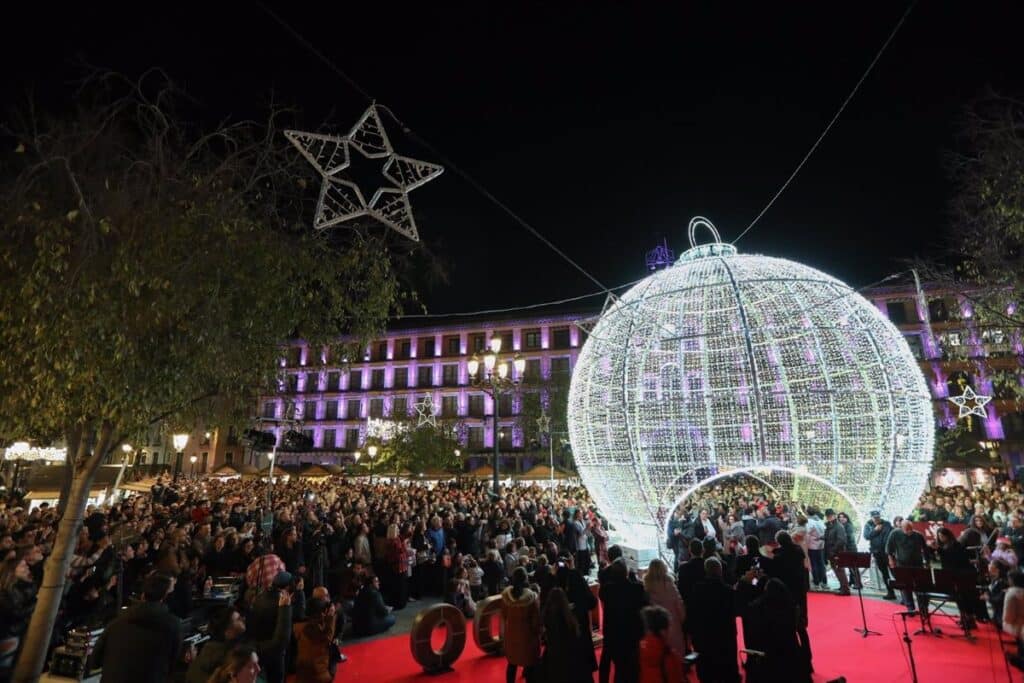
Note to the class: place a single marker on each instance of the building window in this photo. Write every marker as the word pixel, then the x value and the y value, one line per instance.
pixel 376 407
pixel 309 410
pixel 294 355
pixel 897 312
pixel 229 457
pixel 916 347
pixel 270 410
pixel 333 381
pixel 476 405
pixel 426 347
pixel 424 376
pixel 559 367
pixel 938 311
pixel 377 379
pixel 476 343
pixel 506 340
pixel 355 380
pixel 450 375
pixel 531 339
pixel 404 349
pixel 331 410
pixel 400 407
pixel 308 433
pixel 351 439
pixel 505 405
pixel 352 410
pixel 449 406
pixel 232 437
pixel 560 338
pixel 293 384
pixel 204 462
pixel 531 372
pixel 452 346
pixel 401 380
pixel 475 437
pixel 505 437
pixel 330 438
pixel 380 351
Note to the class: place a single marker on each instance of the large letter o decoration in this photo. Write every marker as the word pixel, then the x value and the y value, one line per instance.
pixel 419 638
pixel 488 641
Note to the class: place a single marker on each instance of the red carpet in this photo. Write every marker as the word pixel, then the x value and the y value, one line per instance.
pixel 838 651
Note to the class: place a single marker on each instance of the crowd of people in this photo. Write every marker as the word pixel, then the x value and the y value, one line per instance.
pixel 333 558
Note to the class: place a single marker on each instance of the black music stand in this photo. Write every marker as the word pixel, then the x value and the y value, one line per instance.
pixel 917 580
pixel 857 561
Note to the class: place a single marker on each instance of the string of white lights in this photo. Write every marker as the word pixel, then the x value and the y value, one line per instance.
pixel 842 107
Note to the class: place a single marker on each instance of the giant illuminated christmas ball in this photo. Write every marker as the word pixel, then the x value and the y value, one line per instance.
pixel 726 364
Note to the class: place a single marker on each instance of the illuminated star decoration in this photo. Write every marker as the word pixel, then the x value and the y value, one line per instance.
pixel 962 400
pixel 340 199
pixel 544 423
pixel 425 409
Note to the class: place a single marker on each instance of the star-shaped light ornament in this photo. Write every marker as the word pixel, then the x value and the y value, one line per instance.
pixel 341 199
pixel 544 423
pixel 977 402
pixel 425 410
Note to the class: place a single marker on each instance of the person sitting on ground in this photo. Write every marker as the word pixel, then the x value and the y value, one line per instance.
pixel 659 663
pixel 370 615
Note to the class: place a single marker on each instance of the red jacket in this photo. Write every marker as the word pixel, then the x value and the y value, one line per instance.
pixel 658 663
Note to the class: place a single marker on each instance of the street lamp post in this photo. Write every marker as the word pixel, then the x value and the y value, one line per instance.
pixel 372 452
pixel 544 425
pixel 180 441
pixel 192 459
pixel 288 421
pixel 493 379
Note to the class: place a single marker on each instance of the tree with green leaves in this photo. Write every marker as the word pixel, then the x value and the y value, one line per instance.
pixel 548 397
pixel 424 448
pixel 149 271
pixel 983 256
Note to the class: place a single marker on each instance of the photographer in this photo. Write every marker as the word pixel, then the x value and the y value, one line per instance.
pixel 263 624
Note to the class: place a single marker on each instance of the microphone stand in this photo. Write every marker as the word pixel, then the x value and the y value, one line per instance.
pixel 910 647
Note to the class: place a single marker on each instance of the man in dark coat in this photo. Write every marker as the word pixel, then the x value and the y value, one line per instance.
pixel 711 616
pixel 144 642
pixel 370 615
pixel 907 548
pixel 787 565
pixel 623 627
pixel 835 543
pixel 692 571
pixel 876 533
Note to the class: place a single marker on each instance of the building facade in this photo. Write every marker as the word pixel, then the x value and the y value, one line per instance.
pixel 335 398
pixel 955 351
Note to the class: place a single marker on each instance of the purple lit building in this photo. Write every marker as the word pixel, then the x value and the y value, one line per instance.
pixel 954 351
pixel 335 400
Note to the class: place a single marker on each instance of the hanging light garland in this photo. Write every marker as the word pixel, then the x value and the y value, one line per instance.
pixel 21 450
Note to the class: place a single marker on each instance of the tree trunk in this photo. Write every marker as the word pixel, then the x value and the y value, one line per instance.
pixel 40 629
pixel 65 483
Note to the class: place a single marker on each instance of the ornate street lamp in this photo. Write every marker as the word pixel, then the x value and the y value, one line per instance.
pixel 192 459
pixel 179 441
pixel 372 452
pixel 493 379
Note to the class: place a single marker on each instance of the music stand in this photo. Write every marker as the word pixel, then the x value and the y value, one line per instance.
pixel 857 561
pixel 917 580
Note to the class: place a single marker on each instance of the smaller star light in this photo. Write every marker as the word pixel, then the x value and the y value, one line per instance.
pixel 341 199
pixel 978 407
pixel 544 423
pixel 425 410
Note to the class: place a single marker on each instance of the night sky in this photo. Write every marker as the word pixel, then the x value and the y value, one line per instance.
pixel 604 125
